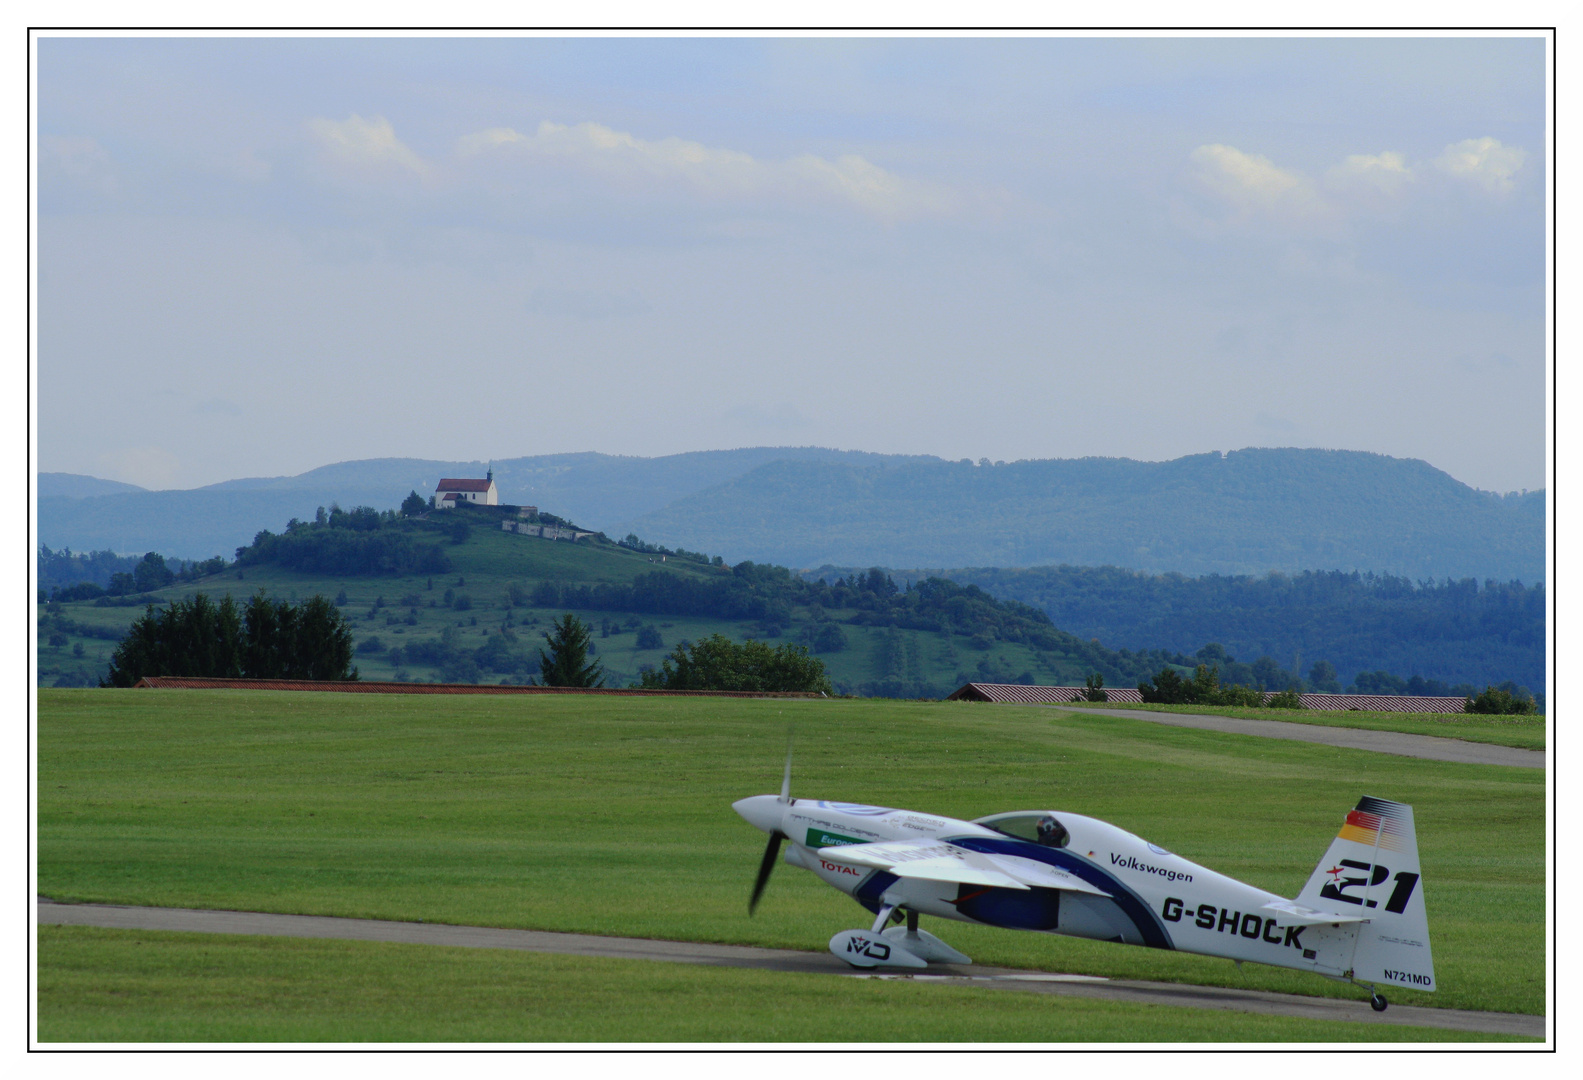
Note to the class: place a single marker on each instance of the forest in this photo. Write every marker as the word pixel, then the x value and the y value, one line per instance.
pixel 1365 625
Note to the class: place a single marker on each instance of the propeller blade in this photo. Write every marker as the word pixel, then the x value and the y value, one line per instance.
pixel 766 867
pixel 786 780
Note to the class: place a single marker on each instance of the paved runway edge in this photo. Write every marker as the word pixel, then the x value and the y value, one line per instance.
pixel 191 920
pixel 1402 744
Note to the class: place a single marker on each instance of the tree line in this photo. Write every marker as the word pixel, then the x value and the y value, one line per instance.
pixel 1447 631
pixel 265 639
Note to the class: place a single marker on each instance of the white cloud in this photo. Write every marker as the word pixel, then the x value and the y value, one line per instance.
pixel 1252 183
pixel 1386 173
pixel 716 172
pixel 365 144
pixel 1484 162
pixel 83 162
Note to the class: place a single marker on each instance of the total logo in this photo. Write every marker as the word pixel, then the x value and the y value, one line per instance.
pixel 837 868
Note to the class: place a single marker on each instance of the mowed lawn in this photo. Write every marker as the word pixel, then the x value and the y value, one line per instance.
pixel 612 815
pixel 131 986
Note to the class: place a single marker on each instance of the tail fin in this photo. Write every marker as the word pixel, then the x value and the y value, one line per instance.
pixel 1371 869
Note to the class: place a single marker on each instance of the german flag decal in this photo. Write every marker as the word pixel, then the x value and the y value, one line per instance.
pixel 1376 820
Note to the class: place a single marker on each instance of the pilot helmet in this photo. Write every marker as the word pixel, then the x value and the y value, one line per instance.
pixel 1051 832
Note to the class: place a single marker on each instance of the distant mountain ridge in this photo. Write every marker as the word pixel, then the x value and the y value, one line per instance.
pixel 67 485
pixel 1247 512
pixel 596 490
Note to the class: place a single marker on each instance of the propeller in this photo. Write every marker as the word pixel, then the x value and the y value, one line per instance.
pixel 766 868
pixel 773 849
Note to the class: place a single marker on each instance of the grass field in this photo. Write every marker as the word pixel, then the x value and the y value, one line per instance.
pixel 1523 732
pixel 129 986
pixel 613 816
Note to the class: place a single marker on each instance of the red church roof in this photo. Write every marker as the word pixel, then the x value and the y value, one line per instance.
pixel 462 485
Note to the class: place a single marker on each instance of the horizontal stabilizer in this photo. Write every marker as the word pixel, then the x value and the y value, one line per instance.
pixel 1305 916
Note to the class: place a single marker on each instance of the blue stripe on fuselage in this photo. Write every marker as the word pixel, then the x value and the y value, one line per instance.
pixel 1149 926
pixel 871 888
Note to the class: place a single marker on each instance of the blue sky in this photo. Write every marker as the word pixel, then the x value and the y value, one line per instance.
pixel 261 256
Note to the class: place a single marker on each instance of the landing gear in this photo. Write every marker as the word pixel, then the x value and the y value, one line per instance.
pixel 1377 1000
pixel 894 947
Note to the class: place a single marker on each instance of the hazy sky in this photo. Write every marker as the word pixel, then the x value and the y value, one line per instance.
pixel 261 256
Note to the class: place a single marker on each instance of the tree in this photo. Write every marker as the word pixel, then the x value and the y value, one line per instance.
pixel 193 637
pixel 649 637
pixel 269 640
pixel 718 663
pixel 413 505
pixel 1323 678
pixel 1269 674
pixel 829 637
pixel 1167 688
pixel 152 573
pixel 1499 702
pixel 1094 688
pixel 567 663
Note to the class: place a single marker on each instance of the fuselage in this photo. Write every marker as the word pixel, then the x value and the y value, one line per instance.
pixel 1152 897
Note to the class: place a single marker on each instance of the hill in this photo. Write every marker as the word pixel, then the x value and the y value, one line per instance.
pixel 600 490
pixel 1450 631
pixel 456 598
pixel 1247 512
pixel 63 485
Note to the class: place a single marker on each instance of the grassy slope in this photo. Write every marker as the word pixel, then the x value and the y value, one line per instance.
pixel 1524 732
pixel 612 816
pixel 492 560
pixel 131 986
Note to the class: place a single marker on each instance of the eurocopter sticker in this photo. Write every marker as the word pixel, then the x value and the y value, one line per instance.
pixel 818 838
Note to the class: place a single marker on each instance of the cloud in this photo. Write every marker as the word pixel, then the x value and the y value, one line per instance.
pixel 1483 162
pixel 81 162
pixel 1385 173
pixel 359 144
pixel 1253 184
pixel 713 171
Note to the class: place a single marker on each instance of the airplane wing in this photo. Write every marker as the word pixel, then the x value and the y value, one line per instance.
pixel 1306 916
pixel 1043 875
pixel 931 860
pixel 936 860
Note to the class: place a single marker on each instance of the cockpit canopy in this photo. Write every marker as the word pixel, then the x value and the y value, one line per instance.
pixel 1039 826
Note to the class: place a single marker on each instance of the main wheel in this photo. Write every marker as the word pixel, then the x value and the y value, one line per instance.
pixel 1378 1002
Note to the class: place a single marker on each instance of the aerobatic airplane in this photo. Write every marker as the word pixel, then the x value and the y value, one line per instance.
pixel 1360 918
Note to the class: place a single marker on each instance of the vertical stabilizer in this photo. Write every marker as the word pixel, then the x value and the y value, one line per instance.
pixel 1372 870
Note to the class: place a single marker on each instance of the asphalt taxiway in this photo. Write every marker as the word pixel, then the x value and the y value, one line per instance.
pixel 1428 747
pixel 482 937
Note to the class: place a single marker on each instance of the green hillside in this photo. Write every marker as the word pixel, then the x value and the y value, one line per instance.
pixel 481 618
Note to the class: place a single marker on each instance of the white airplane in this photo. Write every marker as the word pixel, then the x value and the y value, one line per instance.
pixel 1360 918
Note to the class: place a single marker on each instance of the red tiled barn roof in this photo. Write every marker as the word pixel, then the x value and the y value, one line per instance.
pixel 359 686
pixel 1003 693
pixel 449 484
